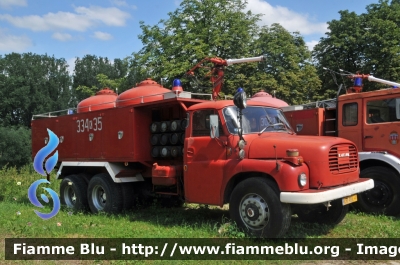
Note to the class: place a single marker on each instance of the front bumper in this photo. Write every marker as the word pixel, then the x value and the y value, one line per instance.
pixel 324 195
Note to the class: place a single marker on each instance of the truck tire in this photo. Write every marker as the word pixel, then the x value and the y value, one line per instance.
pixel 255 207
pixel 104 195
pixel 73 193
pixel 384 198
pixel 319 213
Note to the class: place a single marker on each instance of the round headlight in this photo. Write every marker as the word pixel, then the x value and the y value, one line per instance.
pixel 303 179
pixel 242 154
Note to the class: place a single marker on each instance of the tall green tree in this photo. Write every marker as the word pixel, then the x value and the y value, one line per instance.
pixel 197 29
pixel 88 69
pixel 104 82
pixel 32 84
pixel 287 71
pixel 366 43
pixel 15 146
pixel 220 28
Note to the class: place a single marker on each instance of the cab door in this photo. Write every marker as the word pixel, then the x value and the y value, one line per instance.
pixel 350 120
pixel 382 124
pixel 204 160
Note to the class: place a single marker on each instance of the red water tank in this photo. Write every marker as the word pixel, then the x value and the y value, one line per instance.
pixel 147 91
pixel 104 99
pixel 267 98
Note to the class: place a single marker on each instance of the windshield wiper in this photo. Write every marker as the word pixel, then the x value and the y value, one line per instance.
pixel 271 125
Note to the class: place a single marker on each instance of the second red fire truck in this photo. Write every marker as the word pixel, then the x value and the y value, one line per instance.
pixel 372 121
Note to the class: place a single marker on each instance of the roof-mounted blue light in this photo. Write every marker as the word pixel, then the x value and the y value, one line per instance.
pixel 177 85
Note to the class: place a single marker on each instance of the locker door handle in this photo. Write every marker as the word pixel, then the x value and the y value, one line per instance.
pixel 190 151
pixel 368 137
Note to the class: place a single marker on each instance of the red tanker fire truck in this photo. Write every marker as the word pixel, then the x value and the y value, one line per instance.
pixel 372 121
pixel 150 140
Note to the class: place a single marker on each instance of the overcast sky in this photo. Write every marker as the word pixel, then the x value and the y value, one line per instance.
pixel 109 28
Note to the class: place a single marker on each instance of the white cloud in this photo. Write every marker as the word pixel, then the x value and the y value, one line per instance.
pixel 110 16
pixel 61 36
pixel 9 3
pixel 289 19
pixel 102 35
pixel 83 19
pixel 13 43
pixel 123 3
pixel 311 44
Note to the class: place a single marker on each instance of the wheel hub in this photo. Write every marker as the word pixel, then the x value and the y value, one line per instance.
pixel 254 211
pixel 250 212
pixel 99 197
pixel 379 195
pixel 70 197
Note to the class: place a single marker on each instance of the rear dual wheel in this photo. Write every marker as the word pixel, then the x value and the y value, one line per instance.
pixel 73 192
pixel 104 195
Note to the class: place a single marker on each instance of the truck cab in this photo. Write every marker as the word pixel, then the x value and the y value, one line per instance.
pixel 253 160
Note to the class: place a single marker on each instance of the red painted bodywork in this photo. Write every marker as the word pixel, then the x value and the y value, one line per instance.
pixel 268 99
pixel 208 166
pixel 366 136
pixel 103 99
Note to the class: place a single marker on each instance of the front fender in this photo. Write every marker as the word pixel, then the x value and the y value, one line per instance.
pixel 284 173
pixel 385 157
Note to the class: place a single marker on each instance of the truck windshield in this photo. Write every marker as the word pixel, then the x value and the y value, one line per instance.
pixel 256 120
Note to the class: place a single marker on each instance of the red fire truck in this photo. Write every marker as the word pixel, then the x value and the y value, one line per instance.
pixel 372 121
pixel 152 141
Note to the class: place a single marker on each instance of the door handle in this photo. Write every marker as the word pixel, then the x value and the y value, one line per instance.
pixel 190 151
pixel 368 137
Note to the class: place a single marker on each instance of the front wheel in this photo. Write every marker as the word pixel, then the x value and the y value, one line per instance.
pixel 104 194
pixel 384 198
pixel 256 208
pixel 323 215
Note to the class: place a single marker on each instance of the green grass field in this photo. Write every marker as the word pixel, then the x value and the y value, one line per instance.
pixel 190 221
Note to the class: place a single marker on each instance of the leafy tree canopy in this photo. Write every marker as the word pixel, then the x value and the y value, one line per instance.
pixel 104 82
pixel 15 146
pixel 32 84
pixel 220 28
pixel 366 43
pixel 93 73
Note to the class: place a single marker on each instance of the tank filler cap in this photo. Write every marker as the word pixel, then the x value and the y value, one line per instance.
pixel 262 93
pixel 148 82
pixel 106 91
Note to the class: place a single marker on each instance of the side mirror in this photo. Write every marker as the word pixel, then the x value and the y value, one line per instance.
pixel 240 99
pixel 398 108
pixel 214 130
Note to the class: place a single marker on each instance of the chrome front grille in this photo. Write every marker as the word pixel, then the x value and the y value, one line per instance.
pixel 343 158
